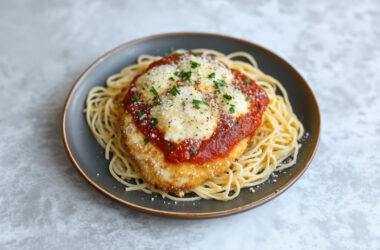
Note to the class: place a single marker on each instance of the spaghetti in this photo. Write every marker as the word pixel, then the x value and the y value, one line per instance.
pixel 274 147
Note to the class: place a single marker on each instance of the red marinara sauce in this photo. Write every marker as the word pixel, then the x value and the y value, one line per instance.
pixel 229 132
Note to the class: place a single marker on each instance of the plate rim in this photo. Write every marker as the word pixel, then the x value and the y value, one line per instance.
pixel 187 214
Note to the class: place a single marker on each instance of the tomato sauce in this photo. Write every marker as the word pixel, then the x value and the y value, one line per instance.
pixel 229 132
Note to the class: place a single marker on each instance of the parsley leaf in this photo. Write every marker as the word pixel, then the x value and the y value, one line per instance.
pixel 135 98
pixel 192 149
pixel 194 64
pixel 146 141
pixel 197 102
pixel 154 91
pixel 228 97
pixel 171 79
pixel 247 81
pixel 185 75
pixel 232 109
pixel 153 121
pixel 174 91
pixel 221 83
pixel 212 75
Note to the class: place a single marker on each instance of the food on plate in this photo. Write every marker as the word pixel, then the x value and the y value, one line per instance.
pixel 194 125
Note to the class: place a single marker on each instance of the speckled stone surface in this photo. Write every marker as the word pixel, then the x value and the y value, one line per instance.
pixel 45 45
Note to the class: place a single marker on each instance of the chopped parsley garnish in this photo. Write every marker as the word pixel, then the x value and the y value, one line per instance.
pixel 217 91
pixel 146 141
pixel 247 98
pixel 135 98
pixel 221 83
pixel 247 81
pixel 193 53
pixel 171 79
pixel 176 73
pixel 113 136
pixel 153 121
pixel 159 63
pixel 185 75
pixel 190 82
pixel 183 104
pixel 192 149
pixel 212 75
pixel 139 113
pixel 232 134
pixel 239 88
pixel 154 91
pixel 197 103
pixel 174 91
pixel 232 109
pixel 228 97
pixel 158 102
pixel 155 193
pixel 194 64
pixel 170 147
pixel 171 49
pixel 241 136
pixel 180 54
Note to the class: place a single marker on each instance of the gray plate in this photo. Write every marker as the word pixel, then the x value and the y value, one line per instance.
pixel 88 156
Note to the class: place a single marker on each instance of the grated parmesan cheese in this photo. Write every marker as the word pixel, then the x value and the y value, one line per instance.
pixel 201 74
pixel 158 78
pixel 237 102
pixel 178 119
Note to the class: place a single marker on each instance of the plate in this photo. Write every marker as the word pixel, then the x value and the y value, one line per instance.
pixel 88 156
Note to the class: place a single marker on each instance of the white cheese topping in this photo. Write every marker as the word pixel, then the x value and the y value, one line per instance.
pixel 201 74
pixel 179 119
pixel 232 101
pixel 158 78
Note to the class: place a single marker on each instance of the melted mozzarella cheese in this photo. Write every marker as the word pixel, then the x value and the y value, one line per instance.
pixel 179 119
pixel 200 74
pixel 237 105
pixel 157 78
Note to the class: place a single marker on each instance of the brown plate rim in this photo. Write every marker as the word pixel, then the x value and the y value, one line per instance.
pixel 183 214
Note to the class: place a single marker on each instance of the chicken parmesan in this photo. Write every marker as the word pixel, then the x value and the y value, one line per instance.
pixel 194 122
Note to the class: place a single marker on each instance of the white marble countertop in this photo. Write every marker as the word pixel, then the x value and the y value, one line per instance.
pixel 46 204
